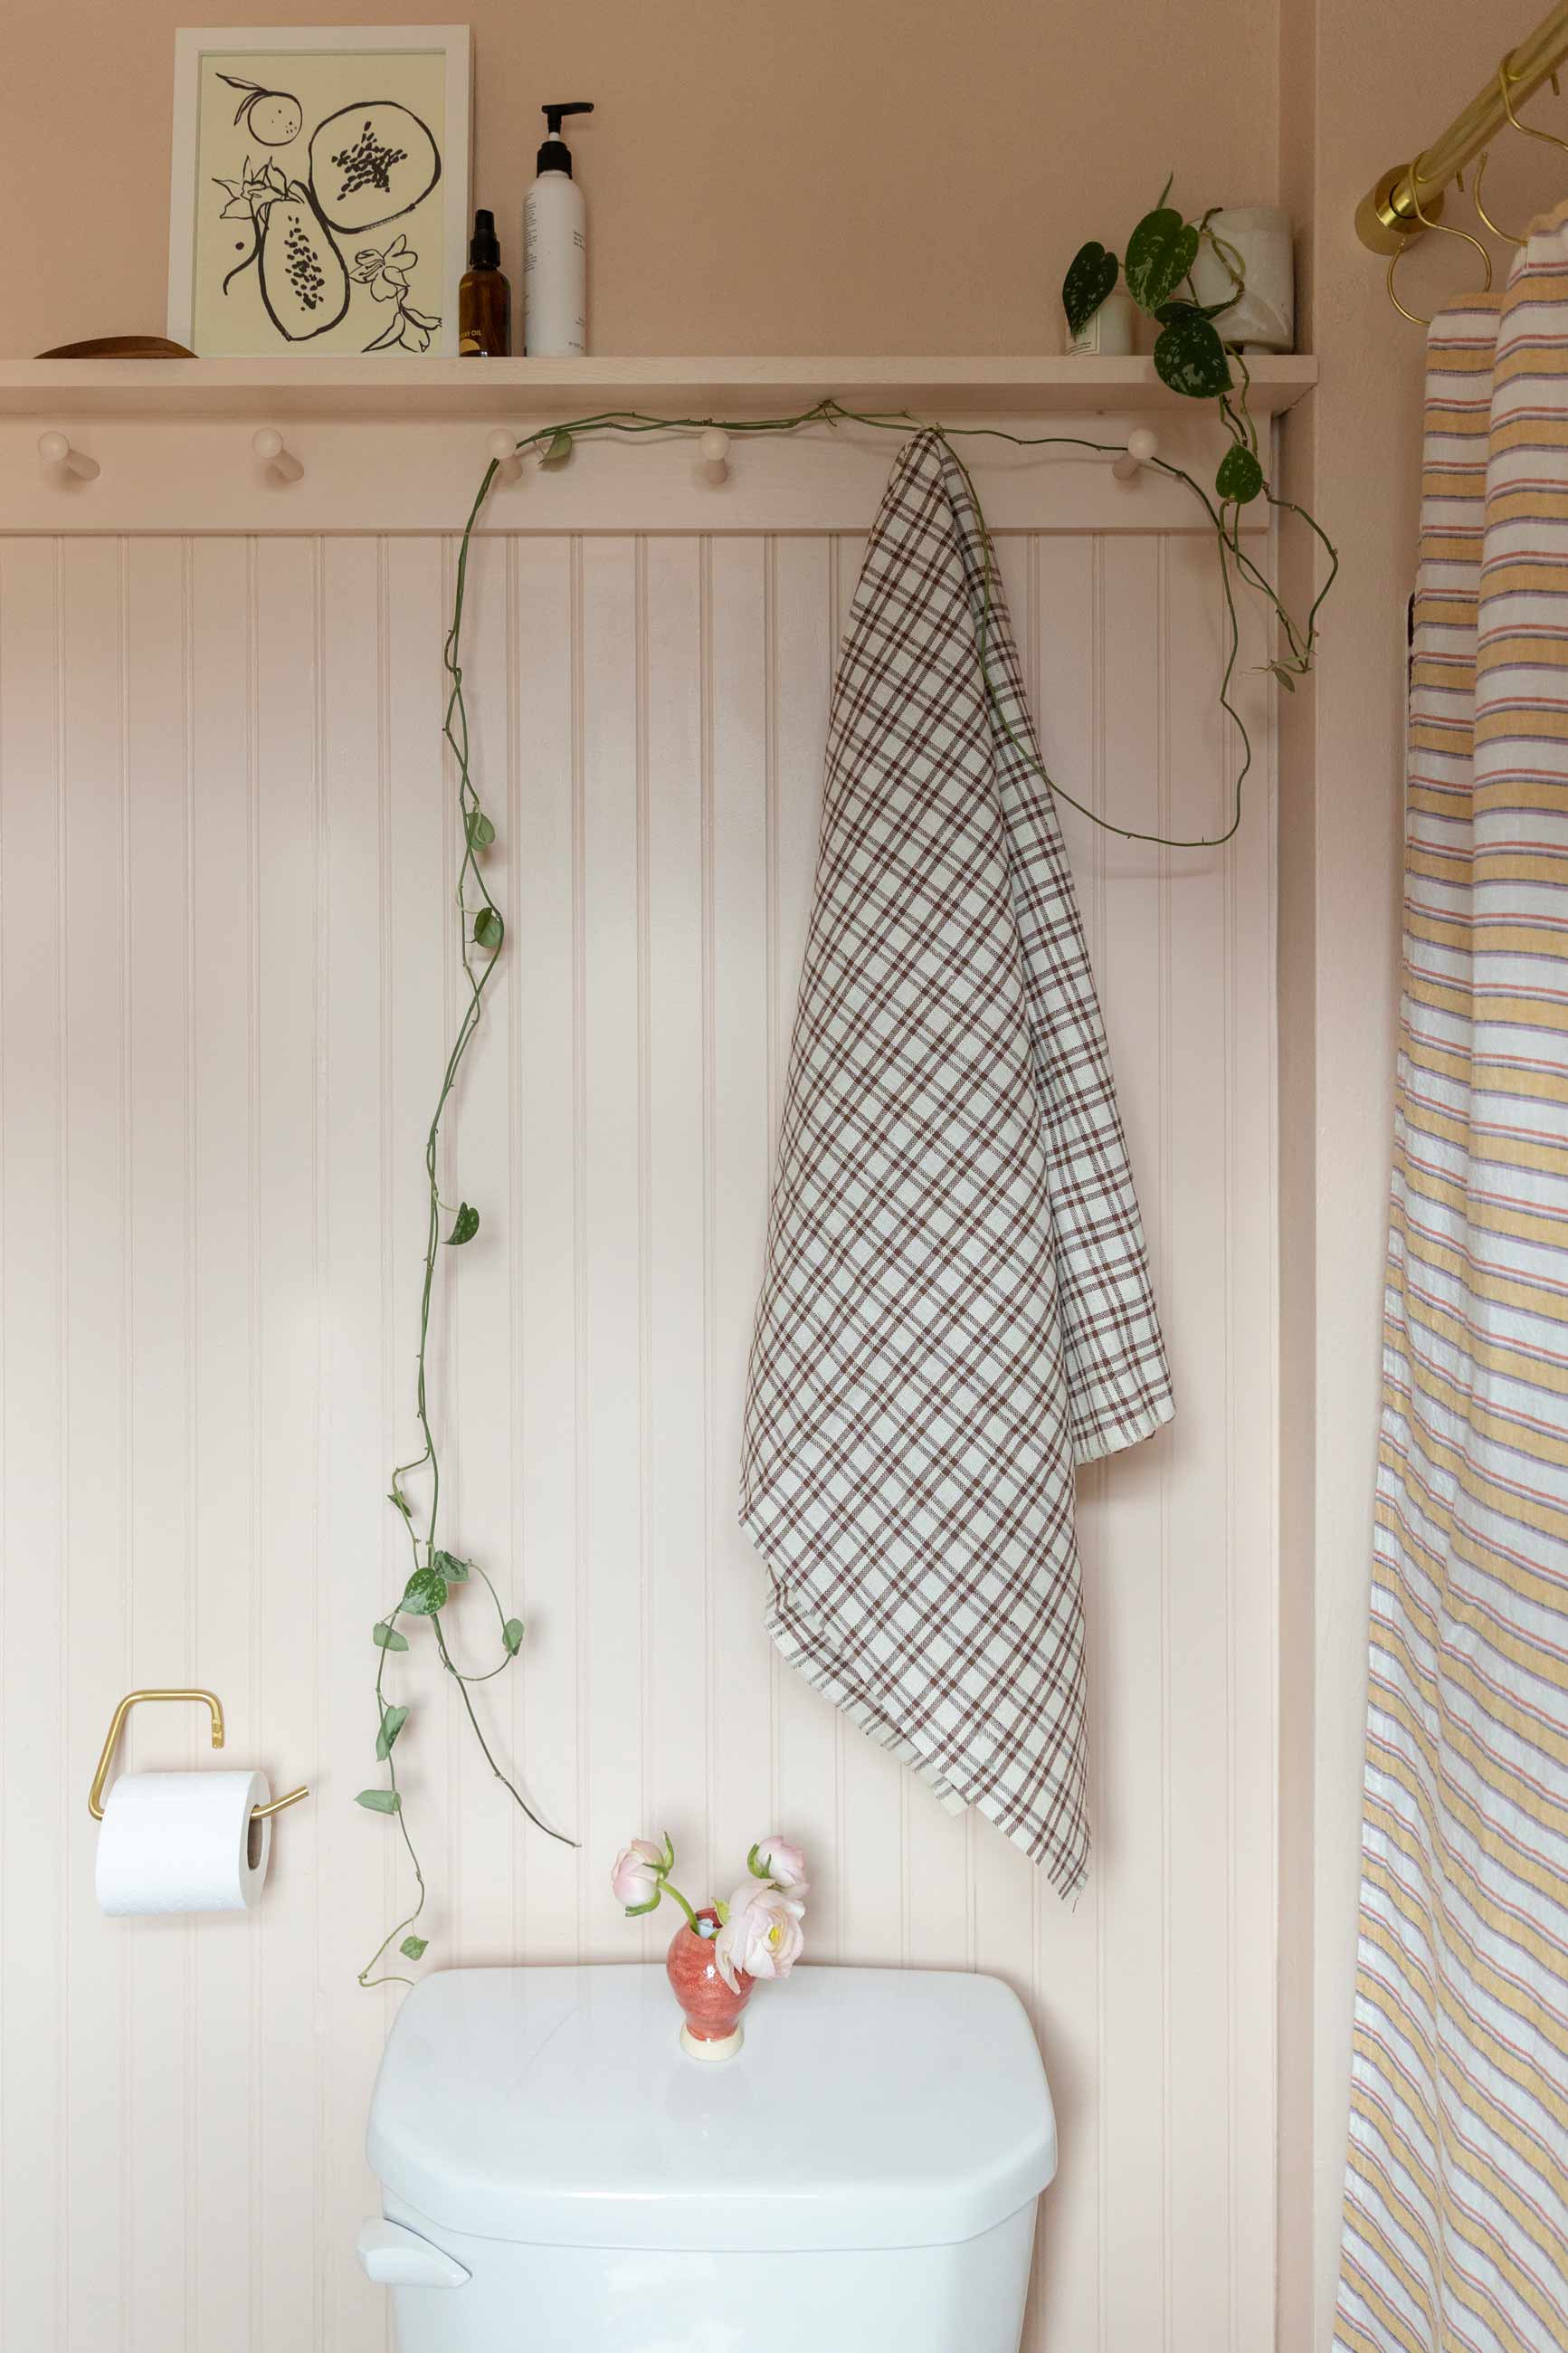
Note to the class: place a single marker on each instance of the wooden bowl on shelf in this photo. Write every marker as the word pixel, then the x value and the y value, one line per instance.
pixel 119 347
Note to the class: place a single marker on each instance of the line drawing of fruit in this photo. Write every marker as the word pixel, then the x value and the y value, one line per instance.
pixel 275 116
pixel 304 285
pixel 370 164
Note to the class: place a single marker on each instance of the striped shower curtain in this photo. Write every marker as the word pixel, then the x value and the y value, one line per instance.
pixel 1455 2216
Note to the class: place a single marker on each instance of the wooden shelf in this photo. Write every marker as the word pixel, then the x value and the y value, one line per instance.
pixel 382 389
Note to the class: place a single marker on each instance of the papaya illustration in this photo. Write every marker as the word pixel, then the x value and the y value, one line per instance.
pixel 370 164
pixel 304 286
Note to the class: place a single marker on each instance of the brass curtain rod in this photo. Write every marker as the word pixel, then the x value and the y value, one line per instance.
pixel 1390 212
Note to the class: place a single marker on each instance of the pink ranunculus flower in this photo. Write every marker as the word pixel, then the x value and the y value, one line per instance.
pixel 785 1865
pixel 634 1877
pixel 763 1933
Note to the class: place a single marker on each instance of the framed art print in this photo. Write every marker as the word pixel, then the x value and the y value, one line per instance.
pixel 318 202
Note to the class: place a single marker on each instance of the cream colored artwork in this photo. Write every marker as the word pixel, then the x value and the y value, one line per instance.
pixel 320 212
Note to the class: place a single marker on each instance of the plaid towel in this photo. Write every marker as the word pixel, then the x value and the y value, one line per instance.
pixel 956 1298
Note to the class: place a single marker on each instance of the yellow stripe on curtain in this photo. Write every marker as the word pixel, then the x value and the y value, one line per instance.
pixel 1456 2211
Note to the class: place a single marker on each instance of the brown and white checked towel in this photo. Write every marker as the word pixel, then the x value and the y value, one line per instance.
pixel 956 1300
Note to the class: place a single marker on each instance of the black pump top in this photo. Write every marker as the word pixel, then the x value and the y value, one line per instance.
pixel 555 155
pixel 484 245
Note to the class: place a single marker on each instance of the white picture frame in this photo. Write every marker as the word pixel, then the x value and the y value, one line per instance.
pixel 280 244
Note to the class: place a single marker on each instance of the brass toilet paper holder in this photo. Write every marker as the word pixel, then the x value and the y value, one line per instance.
pixel 209 1700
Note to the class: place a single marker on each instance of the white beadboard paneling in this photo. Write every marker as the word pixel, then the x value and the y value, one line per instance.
pixel 93 1266
pixel 37 2149
pixel 546 997
pixel 673 1599
pixel 227 983
pixel 222 708
pixel 735 627
pixel 805 583
pixel 161 1566
pixel 609 950
pixel 287 963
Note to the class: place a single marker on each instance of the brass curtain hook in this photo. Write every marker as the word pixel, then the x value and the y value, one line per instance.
pixel 1547 137
pixel 1427 221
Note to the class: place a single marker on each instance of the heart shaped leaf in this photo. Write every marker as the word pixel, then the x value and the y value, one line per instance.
pixel 1190 358
pixel 413 1949
pixel 1240 477
pixel 511 1635
pixel 1160 252
pixel 1091 276
pixel 557 449
pixel 479 829
pixel 387 1638
pixel 489 929
pixel 1169 314
pixel 393 1720
pixel 448 1565
pixel 380 1802
pixel 464 1226
pixel 424 1593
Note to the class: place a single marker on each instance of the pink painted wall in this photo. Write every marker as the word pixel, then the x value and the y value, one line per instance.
pixel 851 175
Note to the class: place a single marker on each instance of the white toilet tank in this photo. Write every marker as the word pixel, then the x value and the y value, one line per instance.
pixel 558 2176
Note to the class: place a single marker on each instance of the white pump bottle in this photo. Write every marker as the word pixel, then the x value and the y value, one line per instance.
pixel 555 249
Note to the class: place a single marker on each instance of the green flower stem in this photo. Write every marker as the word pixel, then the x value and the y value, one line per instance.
pixel 667 1887
pixel 481 932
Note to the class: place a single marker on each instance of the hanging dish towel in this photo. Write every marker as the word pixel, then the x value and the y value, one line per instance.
pixel 956 1300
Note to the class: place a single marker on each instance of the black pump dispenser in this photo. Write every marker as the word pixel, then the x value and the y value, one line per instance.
pixel 555 155
pixel 484 245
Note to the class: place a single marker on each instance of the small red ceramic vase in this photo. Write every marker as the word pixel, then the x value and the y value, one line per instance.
pixel 712 2028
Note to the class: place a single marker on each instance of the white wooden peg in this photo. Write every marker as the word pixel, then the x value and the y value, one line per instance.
pixel 55 452
pixel 1142 444
pixel 280 463
pixel 503 447
pixel 715 448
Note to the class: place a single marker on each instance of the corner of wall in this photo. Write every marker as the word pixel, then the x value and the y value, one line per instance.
pixel 1296 996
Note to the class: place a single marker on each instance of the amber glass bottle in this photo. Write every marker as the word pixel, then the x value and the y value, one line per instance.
pixel 484 298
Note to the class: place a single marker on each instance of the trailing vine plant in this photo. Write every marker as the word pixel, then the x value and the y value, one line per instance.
pixel 414 1490
pixel 1193 358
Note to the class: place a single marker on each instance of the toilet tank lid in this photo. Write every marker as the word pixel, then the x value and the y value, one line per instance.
pixel 869 2109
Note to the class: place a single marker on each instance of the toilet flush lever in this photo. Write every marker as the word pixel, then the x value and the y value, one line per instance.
pixel 394 2257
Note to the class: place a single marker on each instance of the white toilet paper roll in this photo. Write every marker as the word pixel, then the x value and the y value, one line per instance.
pixel 183 1842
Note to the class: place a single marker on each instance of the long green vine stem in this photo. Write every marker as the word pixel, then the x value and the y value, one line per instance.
pixel 434 1569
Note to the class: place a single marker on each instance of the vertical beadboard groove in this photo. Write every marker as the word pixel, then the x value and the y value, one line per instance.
pixel 6 1628
pixel 517 1370
pixel 321 1197
pixel 838 621
pixel 645 1240
pixel 579 1221
pixel 1096 1683
pixel 254 1693
pixel 193 1360
pixel 1232 2276
pixel 127 1349
pixel 65 2152
pixel 699 731
pixel 1163 824
pixel 771 984
pixel 710 1180
pixel 447 1315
